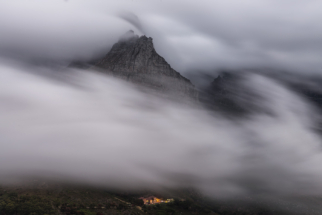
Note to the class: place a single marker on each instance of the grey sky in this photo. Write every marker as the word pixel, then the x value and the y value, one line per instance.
pixel 190 34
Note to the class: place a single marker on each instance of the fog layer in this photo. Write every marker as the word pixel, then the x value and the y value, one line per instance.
pixel 85 127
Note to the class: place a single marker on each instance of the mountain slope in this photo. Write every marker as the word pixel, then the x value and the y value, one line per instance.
pixel 134 58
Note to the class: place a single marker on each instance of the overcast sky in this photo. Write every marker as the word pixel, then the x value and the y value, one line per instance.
pixel 190 34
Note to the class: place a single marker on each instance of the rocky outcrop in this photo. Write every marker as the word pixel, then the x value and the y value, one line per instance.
pixel 225 94
pixel 134 58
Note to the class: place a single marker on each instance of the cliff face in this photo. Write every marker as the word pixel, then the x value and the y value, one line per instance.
pixel 135 59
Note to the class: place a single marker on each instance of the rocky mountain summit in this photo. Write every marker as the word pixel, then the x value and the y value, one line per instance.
pixel 134 58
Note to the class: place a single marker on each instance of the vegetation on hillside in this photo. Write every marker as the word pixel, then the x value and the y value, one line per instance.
pixel 86 201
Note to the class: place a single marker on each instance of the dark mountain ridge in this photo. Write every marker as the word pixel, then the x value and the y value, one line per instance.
pixel 134 59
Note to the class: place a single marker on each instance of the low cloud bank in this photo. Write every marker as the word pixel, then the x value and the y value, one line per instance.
pixel 84 127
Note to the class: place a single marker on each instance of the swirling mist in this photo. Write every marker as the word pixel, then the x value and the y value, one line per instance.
pixel 85 127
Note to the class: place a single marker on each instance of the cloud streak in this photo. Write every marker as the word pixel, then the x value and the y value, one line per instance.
pixel 95 130
pixel 202 35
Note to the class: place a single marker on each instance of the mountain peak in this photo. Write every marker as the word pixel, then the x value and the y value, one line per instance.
pixel 135 59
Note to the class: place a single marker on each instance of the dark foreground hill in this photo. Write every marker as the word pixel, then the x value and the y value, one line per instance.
pixel 66 200
pixel 55 199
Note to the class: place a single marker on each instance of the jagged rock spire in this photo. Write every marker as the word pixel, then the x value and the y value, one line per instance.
pixel 135 59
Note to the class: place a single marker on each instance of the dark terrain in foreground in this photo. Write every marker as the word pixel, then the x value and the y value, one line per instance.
pixel 64 200
pixel 55 199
